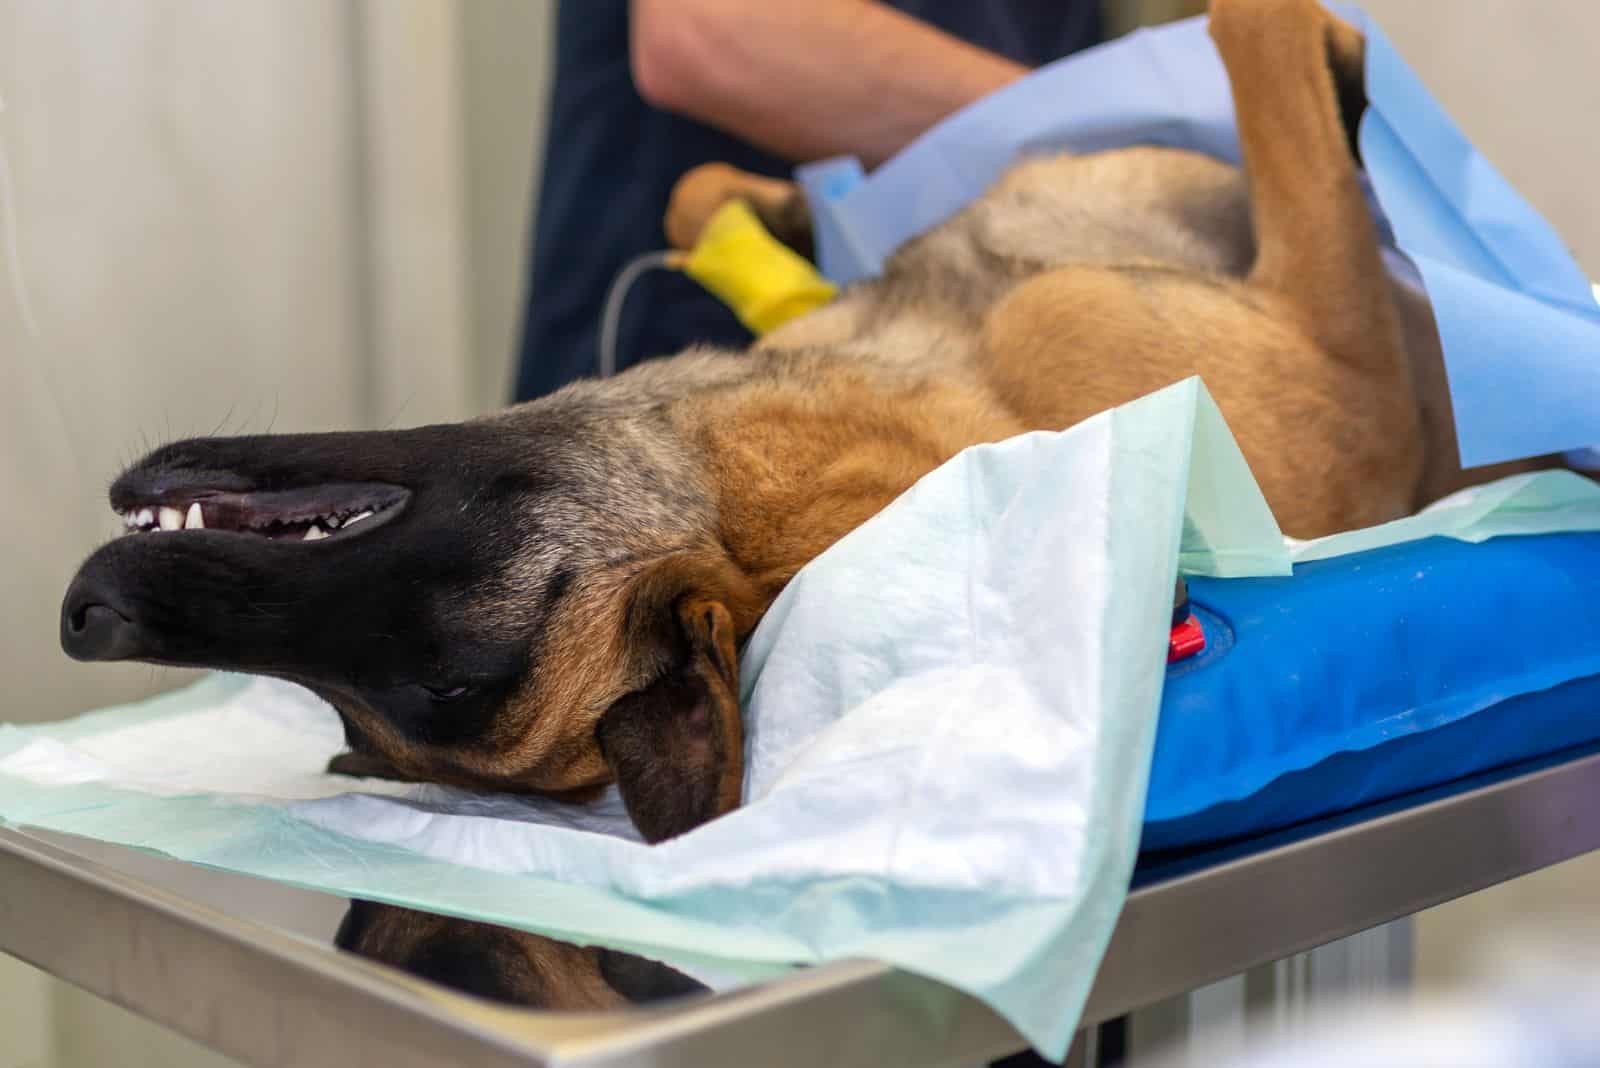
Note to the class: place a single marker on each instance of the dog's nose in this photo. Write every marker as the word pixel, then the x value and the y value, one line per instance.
pixel 92 628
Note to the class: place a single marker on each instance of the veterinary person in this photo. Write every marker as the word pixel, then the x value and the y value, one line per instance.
pixel 648 89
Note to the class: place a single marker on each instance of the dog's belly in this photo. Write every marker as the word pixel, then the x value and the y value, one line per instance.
pixel 1149 206
pixel 1135 205
pixel 1332 447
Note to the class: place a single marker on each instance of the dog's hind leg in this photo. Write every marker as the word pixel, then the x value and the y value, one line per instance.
pixel 1296 75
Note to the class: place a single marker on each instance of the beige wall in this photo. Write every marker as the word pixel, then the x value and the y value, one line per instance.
pixel 506 70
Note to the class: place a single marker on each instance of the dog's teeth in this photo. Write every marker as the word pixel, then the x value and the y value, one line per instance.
pixel 357 518
pixel 314 533
pixel 171 519
pixel 331 521
pixel 144 518
pixel 194 520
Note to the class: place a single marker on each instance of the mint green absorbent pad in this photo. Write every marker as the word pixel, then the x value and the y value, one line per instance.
pixel 950 716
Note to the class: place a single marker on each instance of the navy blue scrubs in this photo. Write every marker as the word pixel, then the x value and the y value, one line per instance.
pixel 611 161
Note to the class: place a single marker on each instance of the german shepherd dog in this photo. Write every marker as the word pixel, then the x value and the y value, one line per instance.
pixel 553 598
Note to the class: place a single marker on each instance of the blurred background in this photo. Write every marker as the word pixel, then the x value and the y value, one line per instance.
pixel 313 215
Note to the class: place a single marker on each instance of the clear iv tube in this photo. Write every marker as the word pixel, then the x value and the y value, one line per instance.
pixel 616 296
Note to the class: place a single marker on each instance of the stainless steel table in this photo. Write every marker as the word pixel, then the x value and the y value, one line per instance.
pixel 245 966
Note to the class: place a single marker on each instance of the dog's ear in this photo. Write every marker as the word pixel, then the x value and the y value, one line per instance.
pixel 676 745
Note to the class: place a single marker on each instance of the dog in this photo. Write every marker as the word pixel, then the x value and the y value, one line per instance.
pixel 553 598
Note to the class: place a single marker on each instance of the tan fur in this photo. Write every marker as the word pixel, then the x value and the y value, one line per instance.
pixel 597 653
pixel 796 469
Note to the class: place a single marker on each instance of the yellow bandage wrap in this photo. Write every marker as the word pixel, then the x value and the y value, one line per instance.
pixel 763 281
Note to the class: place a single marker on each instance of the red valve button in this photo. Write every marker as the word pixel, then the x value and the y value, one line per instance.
pixel 1187 639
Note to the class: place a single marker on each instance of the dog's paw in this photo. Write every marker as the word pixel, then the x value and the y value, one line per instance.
pixel 1298 32
pixel 701 191
pixel 695 198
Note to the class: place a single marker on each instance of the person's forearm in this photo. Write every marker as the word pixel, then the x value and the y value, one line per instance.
pixel 808 79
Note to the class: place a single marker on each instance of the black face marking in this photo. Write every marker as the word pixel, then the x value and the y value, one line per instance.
pixel 408 613
pixel 556 587
pixel 453 713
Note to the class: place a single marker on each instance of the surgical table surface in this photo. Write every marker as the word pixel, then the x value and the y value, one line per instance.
pixel 246 966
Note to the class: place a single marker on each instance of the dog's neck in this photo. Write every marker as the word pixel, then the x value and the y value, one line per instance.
pixel 794 465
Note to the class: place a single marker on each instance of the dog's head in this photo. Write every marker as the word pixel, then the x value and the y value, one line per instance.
pixel 536 601
pixel 506 965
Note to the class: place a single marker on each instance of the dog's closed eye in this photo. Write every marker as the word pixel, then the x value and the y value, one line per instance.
pixel 436 712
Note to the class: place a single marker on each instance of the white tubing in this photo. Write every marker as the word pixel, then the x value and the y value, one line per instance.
pixel 611 317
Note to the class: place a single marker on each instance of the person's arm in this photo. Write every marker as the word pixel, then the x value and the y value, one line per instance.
pixel 809 78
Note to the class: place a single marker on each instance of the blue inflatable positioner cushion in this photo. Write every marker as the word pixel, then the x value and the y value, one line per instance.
pixel 1367 676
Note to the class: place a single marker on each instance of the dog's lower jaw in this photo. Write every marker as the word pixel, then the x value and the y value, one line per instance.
pixel 359 765
pixel 366 766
